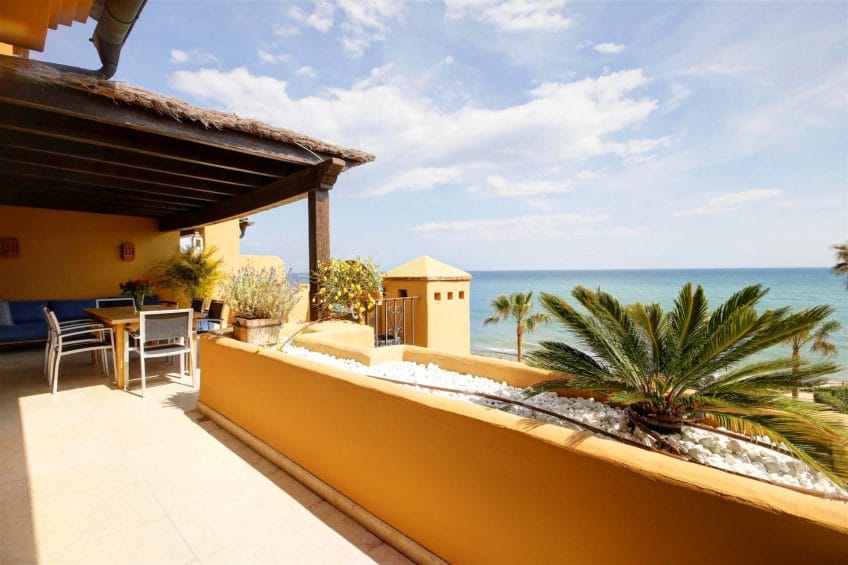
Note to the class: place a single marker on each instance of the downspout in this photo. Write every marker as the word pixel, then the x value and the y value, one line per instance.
pixel 115 20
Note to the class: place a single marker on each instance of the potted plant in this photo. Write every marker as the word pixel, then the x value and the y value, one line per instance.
pixel 348 288
pixel 192 273
pixel 260 300
pixel 138 289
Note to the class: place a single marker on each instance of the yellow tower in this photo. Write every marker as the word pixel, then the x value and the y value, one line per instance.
pixel 442 309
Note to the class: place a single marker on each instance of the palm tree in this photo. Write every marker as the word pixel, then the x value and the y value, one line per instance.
pixel 690 365
pixel 519 307
pixel 819 336
pixel 840 268
pixel 192 273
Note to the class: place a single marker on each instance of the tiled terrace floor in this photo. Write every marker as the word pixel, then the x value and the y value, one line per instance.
pixel 98 475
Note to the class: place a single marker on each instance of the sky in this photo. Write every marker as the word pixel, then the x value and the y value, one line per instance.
pixel 519 134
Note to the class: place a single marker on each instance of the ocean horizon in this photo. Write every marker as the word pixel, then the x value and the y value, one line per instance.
pixel 796 287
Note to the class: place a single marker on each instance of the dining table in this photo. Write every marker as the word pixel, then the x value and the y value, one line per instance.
pixel 120 318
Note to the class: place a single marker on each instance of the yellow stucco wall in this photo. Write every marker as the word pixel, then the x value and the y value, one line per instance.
pixel 477 485
pixel 76 254
pixel 225 236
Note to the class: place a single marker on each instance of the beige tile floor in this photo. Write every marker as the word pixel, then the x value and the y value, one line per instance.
pixel 98 475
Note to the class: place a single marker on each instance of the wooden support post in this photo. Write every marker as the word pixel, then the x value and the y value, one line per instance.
pixel 319 224
pixel 319 240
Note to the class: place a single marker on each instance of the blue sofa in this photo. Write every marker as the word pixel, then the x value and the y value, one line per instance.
pixel 28 321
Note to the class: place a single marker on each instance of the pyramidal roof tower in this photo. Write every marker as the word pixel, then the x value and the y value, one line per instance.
pixel 440 314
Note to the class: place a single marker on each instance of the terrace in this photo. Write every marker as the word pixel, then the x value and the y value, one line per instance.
pixel 277 458
pixel 97 475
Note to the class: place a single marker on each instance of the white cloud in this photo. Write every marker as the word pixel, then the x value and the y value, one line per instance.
pixel 609 48
pixel 192 56
pixel 281 30
pixel 723 68
pixel 531 226
pixel 511 15
pixel 387 114
pixel 730 202
pixel 422 178
pixel 267 56
pixel 320 19
pixel 499 186
pixel 362 22
pixel 306 71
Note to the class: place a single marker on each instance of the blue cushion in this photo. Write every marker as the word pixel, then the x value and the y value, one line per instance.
pixel 152 300
pixel 23 332
pixel 71 309
pixel 27 311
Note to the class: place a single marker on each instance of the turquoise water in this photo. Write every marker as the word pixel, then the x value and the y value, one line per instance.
pixel 798 288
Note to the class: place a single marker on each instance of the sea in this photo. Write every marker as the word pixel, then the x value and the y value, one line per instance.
pixel 798 288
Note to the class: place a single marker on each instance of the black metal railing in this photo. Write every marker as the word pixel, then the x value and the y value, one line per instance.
pixel 393 320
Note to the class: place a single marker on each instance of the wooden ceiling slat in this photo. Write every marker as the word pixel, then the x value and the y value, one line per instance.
pixel 127 158
pixel 47 175
pixel 21 91
pixel 10 178
pixel 77 204
pixel 84 166
pixel 85 132
pixel 104 135
pixel 113 197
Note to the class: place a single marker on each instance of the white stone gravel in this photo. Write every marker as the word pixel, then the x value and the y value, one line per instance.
pixel 713 449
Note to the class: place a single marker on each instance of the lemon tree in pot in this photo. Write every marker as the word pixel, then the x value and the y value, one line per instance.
pixel 348 288
pixel 260 300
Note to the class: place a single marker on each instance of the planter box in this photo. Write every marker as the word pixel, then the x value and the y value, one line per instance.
pixel 477 485
pixel 263 331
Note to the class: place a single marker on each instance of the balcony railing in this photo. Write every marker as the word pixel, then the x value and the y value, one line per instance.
pixel 393 320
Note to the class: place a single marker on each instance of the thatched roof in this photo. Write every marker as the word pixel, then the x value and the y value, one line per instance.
pixel 173 107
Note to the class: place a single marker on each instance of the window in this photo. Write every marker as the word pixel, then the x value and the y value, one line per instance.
pixel 462 295
pixel 402 293
pixel 437 296
pixel 450 296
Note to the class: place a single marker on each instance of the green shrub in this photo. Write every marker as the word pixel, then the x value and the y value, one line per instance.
pixel 835 397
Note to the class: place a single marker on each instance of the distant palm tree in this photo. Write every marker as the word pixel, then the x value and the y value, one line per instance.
pixel 840 269
pixel 817 336
pixel 688 365
pixel 519 307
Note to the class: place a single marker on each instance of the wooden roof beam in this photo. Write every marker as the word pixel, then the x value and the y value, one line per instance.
pixel 277 193
pixel 21 91
pixel 40 175
pixel 80 130
pixel 132 159
pixel 86 167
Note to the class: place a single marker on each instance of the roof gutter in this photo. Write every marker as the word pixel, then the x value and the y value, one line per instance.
pixel 115 20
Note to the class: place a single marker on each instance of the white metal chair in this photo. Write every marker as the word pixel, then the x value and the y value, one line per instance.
pixel 66 327
pixel 172 330
pixel 61 345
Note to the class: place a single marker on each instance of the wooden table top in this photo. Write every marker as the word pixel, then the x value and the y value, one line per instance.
pixel 127 314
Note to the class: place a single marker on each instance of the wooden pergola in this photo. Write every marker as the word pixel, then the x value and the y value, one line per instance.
pixel 70 141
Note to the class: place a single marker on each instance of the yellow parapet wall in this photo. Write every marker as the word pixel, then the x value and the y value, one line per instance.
pixel 477 485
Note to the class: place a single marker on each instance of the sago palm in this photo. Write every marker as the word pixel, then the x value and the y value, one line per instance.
pixel 519 307
pixel 690 365
pixel 840 268
pixel 818 337
pixel 192 273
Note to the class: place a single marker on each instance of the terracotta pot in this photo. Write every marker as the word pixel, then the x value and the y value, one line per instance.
pixel 263 331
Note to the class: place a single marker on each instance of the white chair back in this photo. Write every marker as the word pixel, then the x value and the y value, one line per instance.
pixel 114 302
pixel 165 325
